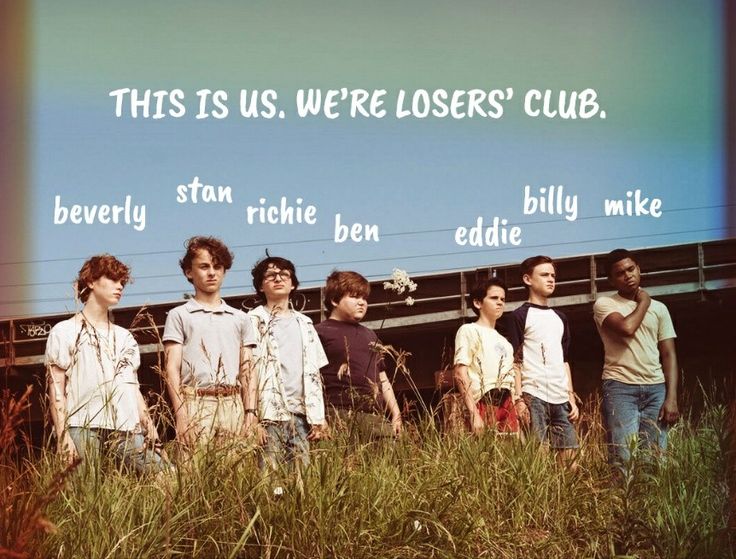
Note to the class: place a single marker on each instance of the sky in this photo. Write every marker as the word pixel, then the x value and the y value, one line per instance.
pixel 652 73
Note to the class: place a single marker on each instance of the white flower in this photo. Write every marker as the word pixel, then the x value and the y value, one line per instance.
pixel 409 301
pixel 400 282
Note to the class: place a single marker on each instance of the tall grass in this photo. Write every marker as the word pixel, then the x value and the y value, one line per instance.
pixel 426 495
pixel 23 496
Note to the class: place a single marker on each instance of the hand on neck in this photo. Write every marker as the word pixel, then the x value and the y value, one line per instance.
pixel 628 294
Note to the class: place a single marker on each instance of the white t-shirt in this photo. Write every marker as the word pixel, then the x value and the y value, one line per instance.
pixel 542 336
pixel 288 337
pixel 488 356
pixel 633 359
pixel 101 379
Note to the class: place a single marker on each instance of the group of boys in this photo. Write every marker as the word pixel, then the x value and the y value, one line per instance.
pixel 263 376
pixel 526 380
pixel 271 377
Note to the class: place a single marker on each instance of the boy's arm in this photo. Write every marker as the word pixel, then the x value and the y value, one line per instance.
pixel 173 357
pixel 248 378
pixel 522 411
pixel 57 398
pixel 389 397
pixel 627 325
pixel 516 338
pixel 319 431
pixel 574 412
pixel 669 412
pixel 462 381
pixel 145 417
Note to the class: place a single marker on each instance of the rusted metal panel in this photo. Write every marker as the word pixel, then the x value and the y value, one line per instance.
pixel 439 299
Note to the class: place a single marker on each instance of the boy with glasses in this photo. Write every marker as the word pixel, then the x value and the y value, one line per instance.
pixel 287 383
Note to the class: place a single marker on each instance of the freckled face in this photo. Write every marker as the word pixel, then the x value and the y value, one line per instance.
pixel 205 275
pixel 492 304
pixel 542 279
pixel 350 308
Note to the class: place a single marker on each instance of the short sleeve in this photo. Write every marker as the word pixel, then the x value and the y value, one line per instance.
pixel 516 330
pixel 134 351
pixel 174 327
pixel 130 356
pixel 601 309
pixel 320 358
pixel 380 361
pixel 463 352
pixel 665 330
pixel 247 334
pixel 255 327
pixel 58 350
pixel 517 324
pixel 508 365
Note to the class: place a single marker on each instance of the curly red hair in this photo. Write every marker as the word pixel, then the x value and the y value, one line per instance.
pixel 96 267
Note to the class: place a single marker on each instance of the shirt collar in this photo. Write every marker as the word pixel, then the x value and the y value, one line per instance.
pixel 194 306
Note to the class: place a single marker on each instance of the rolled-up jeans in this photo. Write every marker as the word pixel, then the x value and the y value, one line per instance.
pixel 286 442
pixel 630 411
pixel 127 447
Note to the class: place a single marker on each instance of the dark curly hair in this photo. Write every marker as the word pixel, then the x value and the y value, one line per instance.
pixel 261 267
pixel 219 252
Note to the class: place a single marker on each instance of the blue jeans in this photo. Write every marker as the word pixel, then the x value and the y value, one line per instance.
pixel 130 449
pixel 286 442
pixel 630 414
pixel 551 422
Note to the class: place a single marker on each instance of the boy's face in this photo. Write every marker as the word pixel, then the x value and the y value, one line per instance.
pixel 277 283
pixel 206 276
pixel 492 305
pixel 351 308
pixel 107 292
pixel 542 280
pixel 625 276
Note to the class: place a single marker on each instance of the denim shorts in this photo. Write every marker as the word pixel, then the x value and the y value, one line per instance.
pixel 550 423
pixel 129 449
pixel 286 442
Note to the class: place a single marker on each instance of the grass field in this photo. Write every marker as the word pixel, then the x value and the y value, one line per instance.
pixel 427 495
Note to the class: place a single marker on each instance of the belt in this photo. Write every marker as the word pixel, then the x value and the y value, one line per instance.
pixel 219 390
